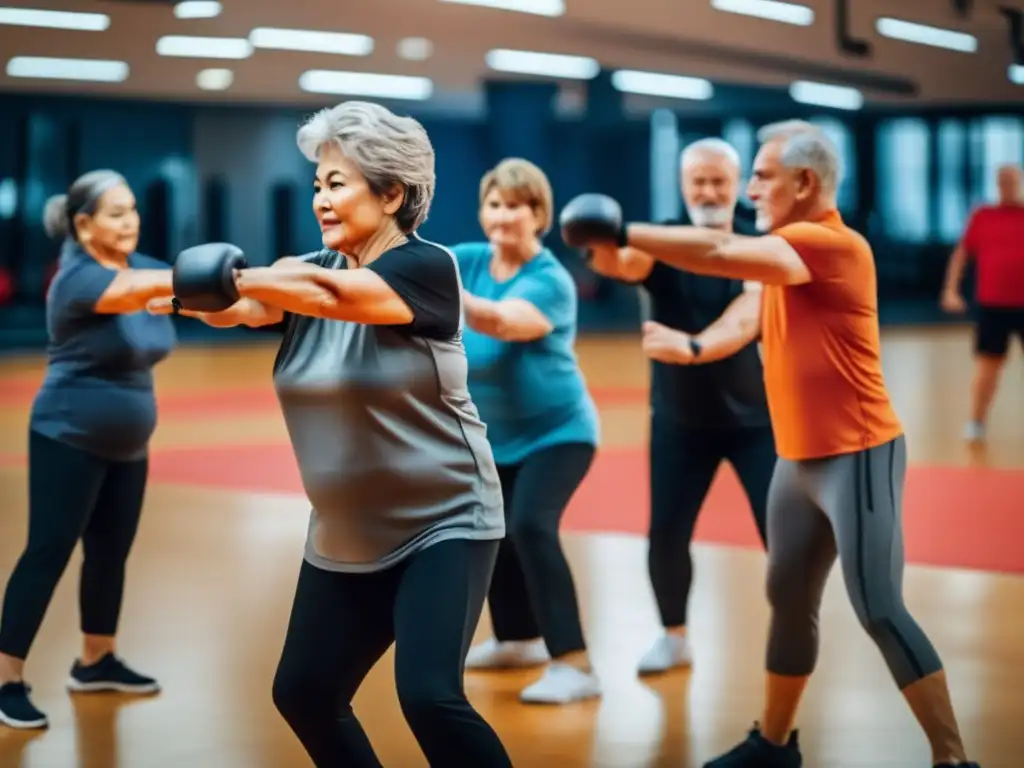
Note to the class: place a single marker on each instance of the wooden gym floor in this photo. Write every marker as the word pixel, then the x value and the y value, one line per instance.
pixel 213 572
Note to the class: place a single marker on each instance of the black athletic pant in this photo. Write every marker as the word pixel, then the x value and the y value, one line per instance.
pixel 73 495
pixel 848 506
pixel 683 463
pixel 342 623
pixel 532 593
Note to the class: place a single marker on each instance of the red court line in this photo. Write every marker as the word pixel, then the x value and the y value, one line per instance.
pixel 953 516
pixel 15 394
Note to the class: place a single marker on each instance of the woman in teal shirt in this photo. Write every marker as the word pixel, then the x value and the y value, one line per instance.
pixel 520 308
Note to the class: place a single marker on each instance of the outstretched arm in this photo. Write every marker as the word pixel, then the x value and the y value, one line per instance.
pixel 513 319
pixel 246 311
pixel 767 259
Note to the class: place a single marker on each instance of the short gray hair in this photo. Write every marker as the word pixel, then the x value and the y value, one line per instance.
pixel 711 146
pixel 806 146
pixel 388 150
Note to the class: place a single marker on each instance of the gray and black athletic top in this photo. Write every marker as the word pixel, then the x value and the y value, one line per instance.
pixel 392 452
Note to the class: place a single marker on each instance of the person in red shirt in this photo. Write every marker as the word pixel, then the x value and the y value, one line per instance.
pixel 994 241
pixel 837 489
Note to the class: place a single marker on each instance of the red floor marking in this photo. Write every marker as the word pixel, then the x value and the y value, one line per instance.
pixel 958 517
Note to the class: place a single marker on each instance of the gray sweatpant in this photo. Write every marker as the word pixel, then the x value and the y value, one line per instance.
pixel 850 506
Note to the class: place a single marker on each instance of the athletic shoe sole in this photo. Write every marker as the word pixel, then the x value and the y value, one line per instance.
pixel 10 722
pixel 77 686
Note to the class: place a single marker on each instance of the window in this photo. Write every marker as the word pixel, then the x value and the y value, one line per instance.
pixel 953 204
pixel 902 176
pixel 842 137
pixel 995 141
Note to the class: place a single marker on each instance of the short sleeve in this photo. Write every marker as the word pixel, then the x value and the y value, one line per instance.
pixel 427 279
pixel 970 238
pixel 81 286
pixel 826 252
pixel 551 291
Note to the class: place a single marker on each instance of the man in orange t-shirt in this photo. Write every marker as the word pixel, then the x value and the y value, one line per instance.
pixel 838 485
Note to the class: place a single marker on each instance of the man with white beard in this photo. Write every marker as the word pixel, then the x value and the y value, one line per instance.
pixel 708 399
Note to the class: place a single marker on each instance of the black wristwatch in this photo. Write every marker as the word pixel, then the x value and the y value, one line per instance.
pixel 695 348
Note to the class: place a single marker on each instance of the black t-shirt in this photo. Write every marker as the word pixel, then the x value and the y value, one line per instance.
pixel 723 394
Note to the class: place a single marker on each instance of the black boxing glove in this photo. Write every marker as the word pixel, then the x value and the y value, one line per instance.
pixel 204 277
pixel 592 219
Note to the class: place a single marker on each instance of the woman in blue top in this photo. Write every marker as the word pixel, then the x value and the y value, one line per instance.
pixel 88 437
pixel 520 307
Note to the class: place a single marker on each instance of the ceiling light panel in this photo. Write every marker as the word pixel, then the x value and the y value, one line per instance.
pixel 657 84
pixel 91 70
pixel 343 43
pixel 30 17
pixel 771 10
pixel 922 34
pixel 414 48
pixel 215 79
pixel 536 7
pixel 197 9
pixel 543 64
pixel 366 84
pixel 826 95
pixel 204 47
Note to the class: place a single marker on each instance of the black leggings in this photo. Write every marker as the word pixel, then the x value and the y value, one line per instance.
pixel 532 593
pixel 342 623
pixel 73 495
pixel 683 463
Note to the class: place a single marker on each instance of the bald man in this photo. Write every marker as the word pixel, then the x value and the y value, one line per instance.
pixel 708 402
pixel 994 240
pixel 837 490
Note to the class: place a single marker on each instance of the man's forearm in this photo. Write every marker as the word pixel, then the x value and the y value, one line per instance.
pixel 738 326
pixel 693 249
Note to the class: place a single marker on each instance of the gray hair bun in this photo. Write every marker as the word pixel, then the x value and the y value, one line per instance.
pixel 55 217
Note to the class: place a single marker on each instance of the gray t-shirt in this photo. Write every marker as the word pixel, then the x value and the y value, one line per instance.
pixel 97 394
pixel 391 450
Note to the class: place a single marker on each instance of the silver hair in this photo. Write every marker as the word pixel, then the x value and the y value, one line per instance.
pixel 806 146
pixel 710 146
pixel 387 148
pixel 83 196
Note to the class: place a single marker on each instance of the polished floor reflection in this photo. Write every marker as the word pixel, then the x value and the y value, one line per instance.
pixel 212 575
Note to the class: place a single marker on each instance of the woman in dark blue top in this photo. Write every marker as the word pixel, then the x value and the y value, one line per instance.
pixel 89 436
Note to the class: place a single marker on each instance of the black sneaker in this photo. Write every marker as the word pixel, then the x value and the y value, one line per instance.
pixel 109 674
pixel 757 752
pixel 17 709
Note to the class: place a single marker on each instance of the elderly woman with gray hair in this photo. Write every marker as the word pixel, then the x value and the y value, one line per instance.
pixel 371 376
pixel 89 434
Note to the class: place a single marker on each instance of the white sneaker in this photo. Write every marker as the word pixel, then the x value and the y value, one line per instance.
pixel 510 654
pixel 667 652
pixel 562 684
pixel 974 432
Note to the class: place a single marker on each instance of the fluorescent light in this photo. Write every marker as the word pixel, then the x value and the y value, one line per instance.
pixel 197 9
pixel 366 84
pixel 922 34
pixel 415 48
pixel 773 10
pixel 1016 74
pixel 94 70
pixel 543 64
pixel 655 84
pixel 204 47
pixel 825 95
pixel 315 42
pixel 536 7
pixel 215 79
pixel 29 17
